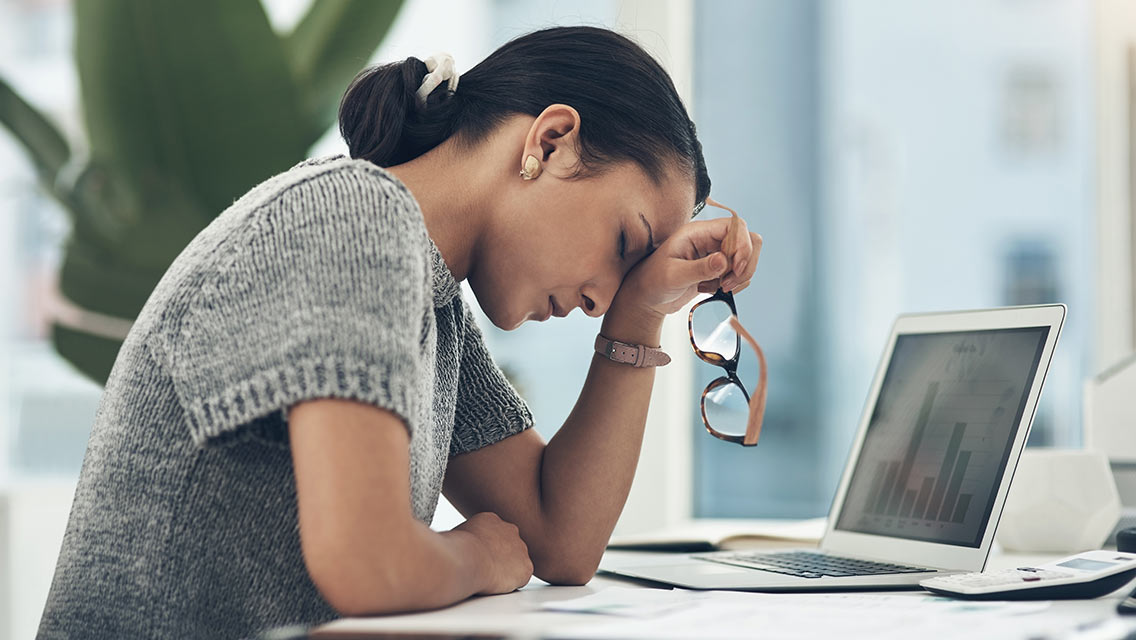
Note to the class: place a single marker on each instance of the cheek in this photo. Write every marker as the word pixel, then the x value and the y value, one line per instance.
pixel 546 253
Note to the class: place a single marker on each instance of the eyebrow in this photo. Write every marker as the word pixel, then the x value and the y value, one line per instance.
pixel 650 235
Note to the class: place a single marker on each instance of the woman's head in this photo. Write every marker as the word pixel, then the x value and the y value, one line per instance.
pixel 625 143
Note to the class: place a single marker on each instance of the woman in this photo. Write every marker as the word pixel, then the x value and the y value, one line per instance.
pixel 306 379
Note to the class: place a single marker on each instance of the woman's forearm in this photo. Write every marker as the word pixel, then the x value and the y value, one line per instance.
pixel 425 570
pixel 361 544
pixel 588 466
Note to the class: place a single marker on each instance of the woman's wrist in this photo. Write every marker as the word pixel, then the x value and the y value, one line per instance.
pixel 470 562
pixel 632 323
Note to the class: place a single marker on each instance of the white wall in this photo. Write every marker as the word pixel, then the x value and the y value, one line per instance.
pixel 33 517
pixel 1115 27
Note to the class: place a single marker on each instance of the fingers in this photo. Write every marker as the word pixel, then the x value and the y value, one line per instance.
pixel 744 263
pixel 699 238
pixel 738 245
pixel 697 242
pixel 705 270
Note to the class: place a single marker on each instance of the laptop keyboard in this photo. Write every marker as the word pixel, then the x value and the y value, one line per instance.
pixel 808 564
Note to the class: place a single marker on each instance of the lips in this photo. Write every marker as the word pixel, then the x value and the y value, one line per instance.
pixel 556 310
pixel 549 312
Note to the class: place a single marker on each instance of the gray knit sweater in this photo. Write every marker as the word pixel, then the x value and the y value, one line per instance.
pixel 320 282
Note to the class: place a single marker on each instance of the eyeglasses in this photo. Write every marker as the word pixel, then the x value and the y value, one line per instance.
pixel 728 411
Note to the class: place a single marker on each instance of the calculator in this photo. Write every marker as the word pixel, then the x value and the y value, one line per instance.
pixel 1085 575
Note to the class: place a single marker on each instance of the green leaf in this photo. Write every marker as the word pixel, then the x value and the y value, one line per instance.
pixel 188 106
pixel 92 355
pixel 332 43
pixel 47 147
pixel 199 93
pixel 98 281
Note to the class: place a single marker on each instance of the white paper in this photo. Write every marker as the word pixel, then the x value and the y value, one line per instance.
pixel 723 615
pixel 627 601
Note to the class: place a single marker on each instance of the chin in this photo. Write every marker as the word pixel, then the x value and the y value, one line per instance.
pixel 508 320
pixel 502 318
pixel 505 324
pixel 511 322
pixel 495 308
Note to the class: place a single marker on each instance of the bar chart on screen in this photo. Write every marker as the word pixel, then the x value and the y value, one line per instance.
pixel 955 446
pixel 939 435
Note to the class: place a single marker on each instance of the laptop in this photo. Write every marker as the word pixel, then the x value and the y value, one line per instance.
pixel 946 419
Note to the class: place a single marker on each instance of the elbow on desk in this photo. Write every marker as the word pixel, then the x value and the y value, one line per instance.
pixel 355 587
pixel 351 606
pixel 566 571
pixel 566 556
pixel 571 578
pixel 346 593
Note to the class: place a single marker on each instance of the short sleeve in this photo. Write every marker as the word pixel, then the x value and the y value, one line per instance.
pixel 488 408
pixel 321 293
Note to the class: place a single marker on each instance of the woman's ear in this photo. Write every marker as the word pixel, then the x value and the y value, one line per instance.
pixel 554 140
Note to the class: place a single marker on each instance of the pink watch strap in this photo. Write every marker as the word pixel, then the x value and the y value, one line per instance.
pixel 635 355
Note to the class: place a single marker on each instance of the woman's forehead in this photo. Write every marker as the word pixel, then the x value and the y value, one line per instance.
pixel 671 202
pixel 674 186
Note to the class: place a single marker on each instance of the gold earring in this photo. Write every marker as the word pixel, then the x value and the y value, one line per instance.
pixel 532 168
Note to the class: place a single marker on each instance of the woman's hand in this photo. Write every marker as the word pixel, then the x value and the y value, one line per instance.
pixel 700 257
pixel 504 554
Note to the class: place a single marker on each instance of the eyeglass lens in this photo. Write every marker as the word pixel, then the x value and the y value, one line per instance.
pixel 727 408
pixel 713 335
pixel 725 404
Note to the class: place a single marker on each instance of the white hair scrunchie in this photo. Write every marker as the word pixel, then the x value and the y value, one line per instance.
pixel 441 69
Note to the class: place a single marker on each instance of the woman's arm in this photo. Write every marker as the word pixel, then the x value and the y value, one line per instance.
pixel 362 546
pixel 566 496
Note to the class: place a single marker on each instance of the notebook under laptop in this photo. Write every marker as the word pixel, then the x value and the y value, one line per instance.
pixel 947 416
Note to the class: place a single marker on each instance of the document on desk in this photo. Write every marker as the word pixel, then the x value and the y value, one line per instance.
pixel 721 615
pixel 628 601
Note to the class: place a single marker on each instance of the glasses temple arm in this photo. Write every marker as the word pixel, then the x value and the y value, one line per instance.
pixel 757 399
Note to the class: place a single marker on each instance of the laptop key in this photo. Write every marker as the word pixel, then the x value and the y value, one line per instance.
pixel 788 571
pixel 810 564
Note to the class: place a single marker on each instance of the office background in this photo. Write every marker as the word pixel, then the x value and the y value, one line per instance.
pixel 896 157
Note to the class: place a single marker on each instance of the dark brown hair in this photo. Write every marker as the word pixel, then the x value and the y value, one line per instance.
pixel 628 105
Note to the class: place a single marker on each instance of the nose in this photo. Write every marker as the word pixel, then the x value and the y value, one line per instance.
pixel 595 302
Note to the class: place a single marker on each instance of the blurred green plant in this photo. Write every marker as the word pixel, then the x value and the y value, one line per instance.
pixel 187 106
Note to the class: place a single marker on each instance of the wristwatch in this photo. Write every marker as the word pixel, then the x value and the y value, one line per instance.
pixel 635 355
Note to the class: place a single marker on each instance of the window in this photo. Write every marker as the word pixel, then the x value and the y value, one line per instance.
pixel 896 158
pixel 47 408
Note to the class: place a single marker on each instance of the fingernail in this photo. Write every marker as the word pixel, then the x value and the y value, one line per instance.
pixel 718 263
pixel 740 267
pixel 726 284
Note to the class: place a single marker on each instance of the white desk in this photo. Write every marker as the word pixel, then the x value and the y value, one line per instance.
pixel 519 613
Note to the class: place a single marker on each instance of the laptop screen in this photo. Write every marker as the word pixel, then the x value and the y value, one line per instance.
pixel 941 434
